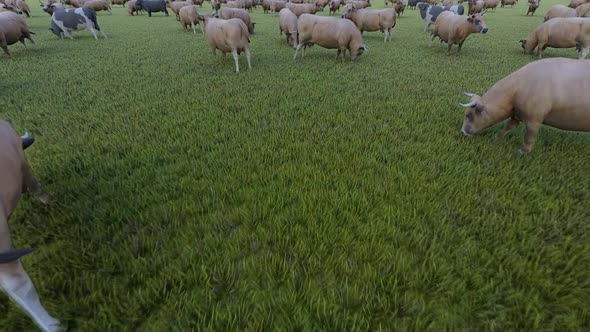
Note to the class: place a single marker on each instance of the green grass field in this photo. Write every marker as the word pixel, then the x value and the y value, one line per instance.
pixel 298 196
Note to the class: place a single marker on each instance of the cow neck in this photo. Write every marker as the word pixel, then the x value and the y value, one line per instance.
pixel 499 99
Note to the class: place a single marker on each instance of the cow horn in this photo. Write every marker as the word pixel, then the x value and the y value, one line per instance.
pixel 469 94
pixel 471 104
pixel 25 136
pixel 364 47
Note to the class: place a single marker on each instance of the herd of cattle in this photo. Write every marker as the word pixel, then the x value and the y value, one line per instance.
pixel 524 96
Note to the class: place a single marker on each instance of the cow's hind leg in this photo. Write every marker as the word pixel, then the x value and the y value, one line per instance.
pixel 248 58
pixel 235 54
pixel 584 52
pixel 296 50
pixel 4 46
pixel 16 283
pixel 532 129
pixel 510 124
pixel 93 33
pixel 33 186
pixel 458 48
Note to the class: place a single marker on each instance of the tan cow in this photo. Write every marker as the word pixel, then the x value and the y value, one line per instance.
pixel 559 11
pixel 550 92
pixel 510 3
pixel 13 28
pixel 331 33
pixel 454 29
pixel 24 7
pixel 98 5
pixel 265 5
pixel 334 6
pixel 175 6
pixel 49 8
pixel 189 17
pixel 583 10
pixel 288 25
pixel 304 8
pixel 133 8
pixel 475 6
pixel 576 3
pixel 16 177
pixel 215 5
pixel 371 19
pixel 490 4
pixel 276 6
pixel 227 13
pixel 559 33
pixel 228 36
pixel 358 3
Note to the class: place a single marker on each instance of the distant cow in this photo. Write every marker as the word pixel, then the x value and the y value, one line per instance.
pixel 533 5
pixel 16 178
pixel 228 36
pixel 430 13
pixel 559 11
pixel 560 33
pixel 226 13
pixel 551 92
pixel 371 19
pixel 454 29
pixel 13 28
pixel 490 4
pixel 334 6
pixel 50 8
pixel 288 25
pixel 304 8
pixel 133 8
pixel 98 5
pixel 63 22
pixel 576 3
pixel 153 6
pixel 24 7
pixel 331 33
pixel 189 16
pixel 510 3
pixel 412 4
pixel 583 10
pixel 475 6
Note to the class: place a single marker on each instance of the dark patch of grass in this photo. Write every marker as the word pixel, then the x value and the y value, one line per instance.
pixel 307 195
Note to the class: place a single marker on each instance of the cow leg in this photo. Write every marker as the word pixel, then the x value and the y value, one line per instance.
pixel 532 129
pixel 103 34
pixel 431 39
pixel 70 35
pixel 223 57
pixel 93 33
pixel 166 11
pixel 510 124
pixel 426 24
pixel 449 48
pixel 235 54
pixel 459 48
pixel 4 47
pixel 248 59
pixel 584 52
pixel 16 283
pixel 338 54
pixel 344 55
pixel 201 26
pixel 32 185
pixel 540 49
pixel 294 55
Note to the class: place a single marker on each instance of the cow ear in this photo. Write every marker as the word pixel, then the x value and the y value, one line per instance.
pixel 470 20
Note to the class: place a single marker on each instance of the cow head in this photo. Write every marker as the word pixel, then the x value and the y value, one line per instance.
pixel 359 52
pixel 477 23
pixel 476 118
pixel 423 7
pixel 527 48
pixel 292 39
pixel 10 8
pixel 319 7
pixel 348 10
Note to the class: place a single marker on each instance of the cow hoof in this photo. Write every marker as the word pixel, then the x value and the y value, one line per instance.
pixel 45 198
pixel 521 152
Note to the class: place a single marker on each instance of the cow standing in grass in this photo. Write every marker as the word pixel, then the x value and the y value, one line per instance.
pixel 454 29
pixel 13 29
pixel 228 36
pixel 16 177
pixel 552 92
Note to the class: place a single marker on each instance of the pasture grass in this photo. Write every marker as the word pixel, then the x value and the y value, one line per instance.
pixel 308 195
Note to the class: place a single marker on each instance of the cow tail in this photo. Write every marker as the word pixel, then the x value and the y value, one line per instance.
pixel 245 31
pixel 11 256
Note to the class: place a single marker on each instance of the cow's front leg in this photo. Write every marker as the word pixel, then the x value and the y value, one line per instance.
pixel 532 129
pixel 510 124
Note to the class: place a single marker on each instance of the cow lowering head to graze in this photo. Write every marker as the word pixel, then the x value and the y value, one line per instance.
pixel 288 25
pixel 334 6
pixel 63 22
pixel 118 2
pixel 228 36
pixel 559 11
pixel 533 5
pixel 13 29
pixel 265 4
pixel 227 13
pixel 153 6
pixel 304 8
pixel 371 19
pixel 475 6
pixel 430 13
pixel 17 177
pixel 510 3
pixel 331 33
pixel 559 32
pixel 454 29
pixel 583 10
pixel 50 8
pixel 576 3
pixel 550 92
pixel 189 17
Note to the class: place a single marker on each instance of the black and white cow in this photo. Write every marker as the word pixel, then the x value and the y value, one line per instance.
pixel 64 21
pixel 430 13
pixel 152 6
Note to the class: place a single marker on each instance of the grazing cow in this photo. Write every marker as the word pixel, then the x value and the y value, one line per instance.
pixel 550 92
pixel 276 6
pixel 50 8
pixel 475 6
pixel 13 28
pixel 227 13
pixel 371 19
pixel 490 4
pixel 17 177
pixel 576 3
pixel 228 36
pixel 153 6
pixel 583 10
pixel 98 5
pixel 510 3
pixel 559 11
pixel 533 5
pixel 430 13
pixel 288 25
pixel 412 4
pixel 559 33
pixel 74 19
pixel 454 29
pixel 331 33
pixel 304 8
pixel 334 6
pixel 175 6
pixel 133 8
pixel 189 16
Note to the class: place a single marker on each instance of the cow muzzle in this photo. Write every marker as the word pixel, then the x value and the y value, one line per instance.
pixel 484 30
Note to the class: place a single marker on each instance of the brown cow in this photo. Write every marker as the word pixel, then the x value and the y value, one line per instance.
pixel 227 13
pixel 454 29
pixel 490 4
pixel 533 5
pixel 559 33
pixel 98 5
pixel 475 6
pixel 371 19
pixel 133 8
pixel 175 6
pixel 288 25
pixel 559 11
pixel 334 6
pixel 22 5
pixel 276 6
pixel 330 32
pixel 189 16
pixel 16 177
pixel 528 96
pixel 583 10
pixel 228 36
pixel 510 3
pixel 49 8
pixel 13 28
pixel 576 3
pixel 304 8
